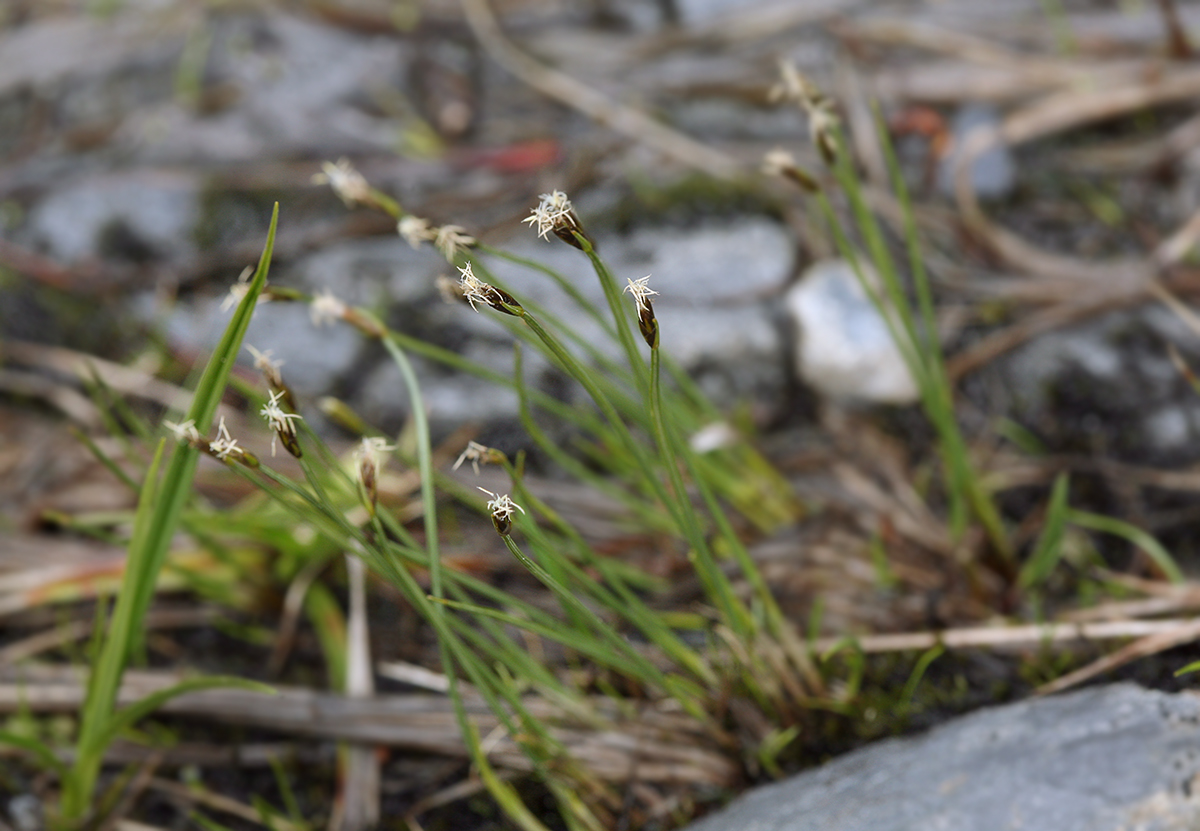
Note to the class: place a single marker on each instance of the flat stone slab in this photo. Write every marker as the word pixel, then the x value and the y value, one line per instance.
pixel 1116 758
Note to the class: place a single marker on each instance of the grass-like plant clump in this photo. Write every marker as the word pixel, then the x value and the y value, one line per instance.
pixel 738 678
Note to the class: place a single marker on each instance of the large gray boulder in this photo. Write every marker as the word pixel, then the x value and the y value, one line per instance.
pixel 1117 758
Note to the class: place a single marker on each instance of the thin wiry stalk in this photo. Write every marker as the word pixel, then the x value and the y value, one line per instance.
pixel 606 633
pixel 612 294
pixel 715 583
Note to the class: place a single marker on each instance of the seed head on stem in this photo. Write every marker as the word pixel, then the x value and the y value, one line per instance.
pixel 225 447
pixel 822 118
pixel 779 162
pixel 647 322
pixel 477 453
pixel 269 367
pixel 556 215
pixel 347 183
pixel 239 290
pixel 281 423
pixel 415 230
pixel 184 432
pixel 325 308
pixel 370 455
pixel 449 239
pixel 502 508
pixel 475 291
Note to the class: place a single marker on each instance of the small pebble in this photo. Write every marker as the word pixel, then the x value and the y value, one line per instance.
pixel 844 349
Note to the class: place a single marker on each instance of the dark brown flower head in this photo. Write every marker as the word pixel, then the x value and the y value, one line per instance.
pixel 822 117
pixel 269 367
pixel 556 215
pixel 477 454
pixel 502 508
pixel 281 423
pixel 779 162
pixel 475 291
pixel 647 322
pixel 370 455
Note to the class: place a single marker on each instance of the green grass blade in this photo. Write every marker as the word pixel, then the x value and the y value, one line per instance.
pixel 1048 550
pixel 39 749
pixel 158 513
pixel 1192 667
pixel 914 679
pixel 1132 534
pixel 127 717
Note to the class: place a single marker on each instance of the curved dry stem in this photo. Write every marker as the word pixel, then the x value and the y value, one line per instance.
pixel 632 123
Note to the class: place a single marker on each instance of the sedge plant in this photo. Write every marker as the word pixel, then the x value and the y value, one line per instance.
pixel 640 415
pixel 674 489
pixel 907 307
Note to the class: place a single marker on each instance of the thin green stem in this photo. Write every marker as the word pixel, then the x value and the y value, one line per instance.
pixel 717 586
pixel 643 667
pixel 612 293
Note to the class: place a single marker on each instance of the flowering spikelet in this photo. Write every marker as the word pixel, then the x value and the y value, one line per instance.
pixel 450 238
pixel 239 290
pixel 269 367
pixel 779 162
pixel 185 432
pixel 281 423
pixel 822 120
pixel 415 230
pixel 477 453
pixel 325 308
pixel 555 214
pixel 647 322
pixel 347 183
pixel 224 444
pixel 502 508
pixel 475 291
pixel 225 448
pixel 370 455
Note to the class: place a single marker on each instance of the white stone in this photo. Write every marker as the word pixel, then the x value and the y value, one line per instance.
pixel 844 349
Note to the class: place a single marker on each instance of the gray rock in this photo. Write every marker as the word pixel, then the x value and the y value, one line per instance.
pixel 61 49
pixel 993 174
pixel 1108 384
pixel 451 399
pixel 150 214
pixel 378 273
pixel 731 262
pixel 713 282
pixel 25 811
pixel 1113 758
pixel 316 359
pixel 844 349
pixel 304 90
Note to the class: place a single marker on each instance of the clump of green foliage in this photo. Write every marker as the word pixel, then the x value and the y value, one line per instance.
pixel 641 412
